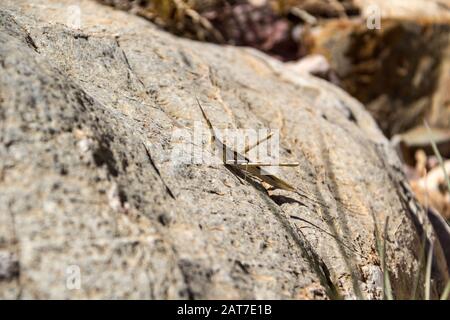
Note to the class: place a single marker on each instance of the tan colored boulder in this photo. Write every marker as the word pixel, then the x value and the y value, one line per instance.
pixel 93 205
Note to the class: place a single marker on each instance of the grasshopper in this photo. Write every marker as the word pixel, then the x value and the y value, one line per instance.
pixel 241 162
pixel 255 169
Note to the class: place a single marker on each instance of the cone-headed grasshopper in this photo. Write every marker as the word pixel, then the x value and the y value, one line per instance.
pixel 242 163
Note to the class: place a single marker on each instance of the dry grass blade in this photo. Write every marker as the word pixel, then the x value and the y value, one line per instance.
pixel 438 156
pixel 428 274
pixel 445 295
pixel 387 289
pixel 420 269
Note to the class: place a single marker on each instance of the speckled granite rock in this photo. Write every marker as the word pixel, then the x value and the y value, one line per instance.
pixel 87 187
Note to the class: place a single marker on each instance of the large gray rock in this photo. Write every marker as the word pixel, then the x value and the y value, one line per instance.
pixel 88 186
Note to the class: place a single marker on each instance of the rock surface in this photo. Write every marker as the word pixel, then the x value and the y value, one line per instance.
pixel 89 195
